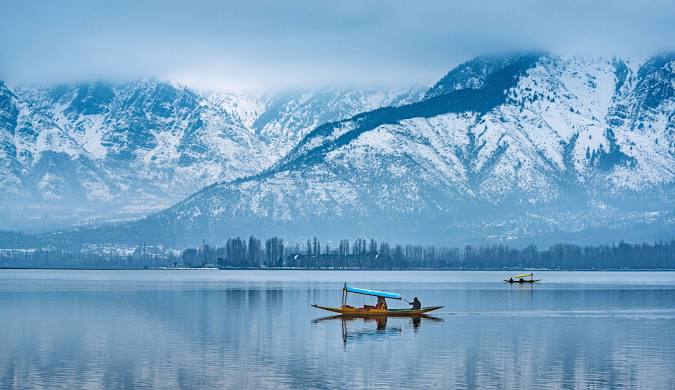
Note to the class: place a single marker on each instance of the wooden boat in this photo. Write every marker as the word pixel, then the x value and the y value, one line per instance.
pixel 362 312
pixel 347 310
pixel 522 278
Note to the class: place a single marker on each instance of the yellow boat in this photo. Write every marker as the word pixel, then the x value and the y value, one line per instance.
pixel 521 279
pixel 364 312
pixel 347 310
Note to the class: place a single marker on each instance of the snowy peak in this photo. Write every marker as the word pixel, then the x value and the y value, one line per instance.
pixel 656 81
pixel 507 148
pixel 501 147
pixel 286 120
pixel 474 74
pixel 118 150
pixel 90 99
pixel 8 110
pixel 331 135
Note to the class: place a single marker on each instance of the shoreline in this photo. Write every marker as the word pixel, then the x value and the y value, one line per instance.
pixel 340 269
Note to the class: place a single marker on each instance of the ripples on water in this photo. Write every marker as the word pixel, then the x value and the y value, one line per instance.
pixel 256 329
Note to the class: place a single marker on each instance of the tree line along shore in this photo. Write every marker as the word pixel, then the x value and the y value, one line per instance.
pixel 359 254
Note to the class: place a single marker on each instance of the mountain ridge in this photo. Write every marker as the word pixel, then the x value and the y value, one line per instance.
pixel 573 155
pixel 500 149
pixel 140 146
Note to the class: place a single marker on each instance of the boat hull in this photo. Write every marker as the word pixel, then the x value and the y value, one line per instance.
pixel 361 312
pixel 524 281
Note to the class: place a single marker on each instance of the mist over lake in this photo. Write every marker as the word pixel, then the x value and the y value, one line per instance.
pixel 256 329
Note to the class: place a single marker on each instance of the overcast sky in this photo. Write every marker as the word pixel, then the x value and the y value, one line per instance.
pixel 276 44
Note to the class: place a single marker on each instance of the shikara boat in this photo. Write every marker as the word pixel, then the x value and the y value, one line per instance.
pixel 522 278
pixel 347 310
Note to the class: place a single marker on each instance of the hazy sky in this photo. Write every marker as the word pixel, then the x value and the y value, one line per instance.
pixel 274 44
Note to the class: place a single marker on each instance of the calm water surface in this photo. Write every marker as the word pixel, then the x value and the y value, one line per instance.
pixel 256 329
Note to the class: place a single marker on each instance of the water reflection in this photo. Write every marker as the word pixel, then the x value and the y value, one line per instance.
pixel 259 334
pixel 376 327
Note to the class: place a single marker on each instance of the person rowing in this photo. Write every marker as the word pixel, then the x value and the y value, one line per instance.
pixel 416 304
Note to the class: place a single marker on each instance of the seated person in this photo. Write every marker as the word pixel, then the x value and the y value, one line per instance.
pixel 381 303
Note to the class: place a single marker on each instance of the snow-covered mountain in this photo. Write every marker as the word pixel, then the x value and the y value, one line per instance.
pixel 281 120
pixel 99 151
pixel 500 148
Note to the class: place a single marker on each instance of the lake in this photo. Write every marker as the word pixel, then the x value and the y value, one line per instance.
pixel 256 329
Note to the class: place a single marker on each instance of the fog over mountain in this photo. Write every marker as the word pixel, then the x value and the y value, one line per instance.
pixel 521 148
pixel 267 45
pixel 444 122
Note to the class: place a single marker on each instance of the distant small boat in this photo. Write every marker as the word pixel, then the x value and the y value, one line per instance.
pixel 522 278
pixel 347 310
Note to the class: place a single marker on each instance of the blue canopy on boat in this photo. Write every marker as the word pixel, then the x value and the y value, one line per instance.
pixel 372 292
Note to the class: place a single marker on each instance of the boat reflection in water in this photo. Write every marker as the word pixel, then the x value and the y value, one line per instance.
pixel 382 328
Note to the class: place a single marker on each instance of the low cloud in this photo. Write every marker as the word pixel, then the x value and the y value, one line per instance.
pixel 271 45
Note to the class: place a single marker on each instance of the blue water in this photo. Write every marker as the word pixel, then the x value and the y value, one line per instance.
pixel 256 329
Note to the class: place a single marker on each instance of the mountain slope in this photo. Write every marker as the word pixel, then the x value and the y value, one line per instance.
pixel 501 148
pixel 98 151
